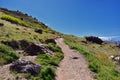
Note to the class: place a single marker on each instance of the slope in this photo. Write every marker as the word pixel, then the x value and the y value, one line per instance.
pixel 19 31
pixel 98 56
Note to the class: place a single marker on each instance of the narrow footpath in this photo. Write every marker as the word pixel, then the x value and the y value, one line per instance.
pixel 74 65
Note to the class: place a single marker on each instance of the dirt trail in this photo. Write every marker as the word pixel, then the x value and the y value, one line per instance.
pixel 73 66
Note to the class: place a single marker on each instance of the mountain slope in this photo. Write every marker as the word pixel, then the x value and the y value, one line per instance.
pixel 24 37
pixel 98 56
pixel 20 34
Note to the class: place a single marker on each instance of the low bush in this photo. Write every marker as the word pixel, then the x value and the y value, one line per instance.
pixel 14 20
pixel 18 21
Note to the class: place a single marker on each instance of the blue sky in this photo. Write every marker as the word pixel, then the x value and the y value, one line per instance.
pixel 78 17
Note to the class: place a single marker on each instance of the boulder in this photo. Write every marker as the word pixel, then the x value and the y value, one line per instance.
pixel 23 66
pixel 35 49
pixel 13 44
pixel 115 58
pixel 50 41
pixel 1 24
pixel 39 31
pixel 17 44
pixel 24 44
pixel 94 39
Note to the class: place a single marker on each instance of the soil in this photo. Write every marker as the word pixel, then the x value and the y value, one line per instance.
pixel 74 65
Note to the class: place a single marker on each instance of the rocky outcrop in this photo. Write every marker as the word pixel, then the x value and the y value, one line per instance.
pixel 115 58
pixel 13 44
pixel 35 49
pixel 39 31
pixel 23 66
pixel 17 44
pixel 94 39
pixel 50 41
pixel 24 44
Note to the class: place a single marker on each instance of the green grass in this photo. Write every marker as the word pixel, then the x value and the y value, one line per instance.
pixel 48 73
pixel 54 47
pixel 7 55
pixel 46 60
pixel 99 63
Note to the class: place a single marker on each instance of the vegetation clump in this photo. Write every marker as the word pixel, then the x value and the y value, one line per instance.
pixel 7 55
pixel 14 20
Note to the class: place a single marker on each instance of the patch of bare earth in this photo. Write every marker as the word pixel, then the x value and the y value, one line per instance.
pixel 74 65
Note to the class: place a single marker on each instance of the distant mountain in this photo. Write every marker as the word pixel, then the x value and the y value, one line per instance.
pixel 115 39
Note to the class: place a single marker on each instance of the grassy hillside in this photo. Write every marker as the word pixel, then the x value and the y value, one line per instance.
pixel 18 26
pixel 97 56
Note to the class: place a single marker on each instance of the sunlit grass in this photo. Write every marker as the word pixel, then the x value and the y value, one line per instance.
pixel 99 63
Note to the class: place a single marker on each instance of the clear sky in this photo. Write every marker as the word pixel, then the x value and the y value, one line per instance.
pixel 78 17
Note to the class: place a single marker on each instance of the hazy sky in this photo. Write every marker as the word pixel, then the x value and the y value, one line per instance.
pixel 78 17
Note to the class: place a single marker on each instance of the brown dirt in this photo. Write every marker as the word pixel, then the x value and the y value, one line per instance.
pixel 74 65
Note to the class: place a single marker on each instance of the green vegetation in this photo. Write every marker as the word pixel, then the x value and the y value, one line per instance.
pixel 47 60
pixel 14 20
pixel 99 63
pixel 49 63
pixel 7 55
pixel 54 47
pixel 48 73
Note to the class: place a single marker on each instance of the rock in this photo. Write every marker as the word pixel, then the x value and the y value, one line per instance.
pixel 39 31
pixel 35 49
pixel 24 44
pixel 17 44
pixel 13 44
pixel 1 24
pixel 50 41
pixel 94 39
pixel 23 66
pixel 115 58
pixel 75 57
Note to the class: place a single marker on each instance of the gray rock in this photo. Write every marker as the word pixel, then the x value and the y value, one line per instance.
pixel 35 49
pixel 1 24
pixel 115 58
pixel 40 31
pixel 50 41
pixel 23 66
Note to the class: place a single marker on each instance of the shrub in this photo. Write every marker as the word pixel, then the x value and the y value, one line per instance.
pixel 19 21
pixel 14 20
